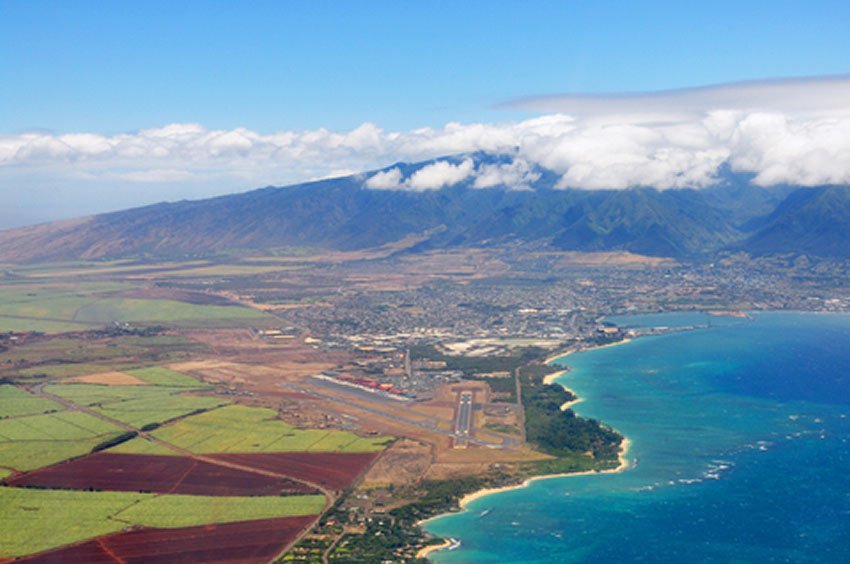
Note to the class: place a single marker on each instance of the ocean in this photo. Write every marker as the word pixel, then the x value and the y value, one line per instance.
pixel 740 452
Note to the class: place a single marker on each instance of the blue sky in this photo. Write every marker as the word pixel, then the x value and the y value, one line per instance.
pixel 120 66
pixel 106 105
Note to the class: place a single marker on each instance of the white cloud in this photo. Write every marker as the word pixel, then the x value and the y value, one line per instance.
pixel 437 175
pixel 385 180
pixel 812 96
pixel 516 175
pixel 430 177
pixel 793 131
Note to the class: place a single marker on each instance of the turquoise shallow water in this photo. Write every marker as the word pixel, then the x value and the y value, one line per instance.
pixel 740 449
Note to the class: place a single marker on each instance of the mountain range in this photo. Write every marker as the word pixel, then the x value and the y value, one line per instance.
pixel 345 213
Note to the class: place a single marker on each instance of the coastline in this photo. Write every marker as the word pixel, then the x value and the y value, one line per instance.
pixel 622 467
pixel 624 463
pixel 552 358
pixel 550 379
pixel 426 550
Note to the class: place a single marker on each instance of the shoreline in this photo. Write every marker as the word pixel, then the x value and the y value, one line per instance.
pixel 550 379
pixel 624 463
pixel 560 355
pixel 426 550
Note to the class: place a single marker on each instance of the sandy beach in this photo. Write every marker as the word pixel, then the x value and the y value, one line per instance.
pixel 623 466
pixel 552 358
pixel 550 378
pixel 426 550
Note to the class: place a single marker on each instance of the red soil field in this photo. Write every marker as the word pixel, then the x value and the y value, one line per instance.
pixel 155 473
pixel 333 470
pixel 249 542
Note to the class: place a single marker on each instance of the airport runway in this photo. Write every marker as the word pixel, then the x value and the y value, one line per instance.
pixel 463 418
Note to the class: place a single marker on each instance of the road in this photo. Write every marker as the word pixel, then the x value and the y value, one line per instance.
pixel 463 418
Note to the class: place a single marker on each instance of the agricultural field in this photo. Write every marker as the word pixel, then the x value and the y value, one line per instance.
pixel 9 324
pixel 51 358
pixel 58 308
pixel 15 402
pixel 126 269
pixel 332 470
pixel 106 471
pixel 246 542
pixel 135 405
pixel 158 376
pixel 34 441
pixel 33 520
pixel 240 429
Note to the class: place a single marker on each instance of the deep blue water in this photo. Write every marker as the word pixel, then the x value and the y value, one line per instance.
pixel 740 448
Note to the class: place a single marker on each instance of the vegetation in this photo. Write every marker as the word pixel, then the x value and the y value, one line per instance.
pixel 396 536
pixel 561 432
pixel 45 305
pixel 138 406
pixel 15 402
pixel 109 443
pixel 171 511
pixel 645 221
pixel 473 367
pixel 159 376
pixel 238 428
pixel 34 441
pixel 34 520
pixel 51 358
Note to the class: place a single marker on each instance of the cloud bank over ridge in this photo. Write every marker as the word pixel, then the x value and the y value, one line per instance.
pixel 791 131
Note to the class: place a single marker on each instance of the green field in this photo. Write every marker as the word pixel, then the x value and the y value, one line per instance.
pixel 15 402
pixel 171 511
pixel 34 441
pixel 61 357
pixel 34 520
pixel 158 376
pixel 238 428
pixel 56 308
pixel 9 324
pixel 160 311
pixel 135 405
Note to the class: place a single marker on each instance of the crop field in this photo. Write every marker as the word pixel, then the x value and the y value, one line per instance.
pixel 130 269
pixel 105 471
pixel 34 441
pixel 170 511
pixel 15 402
pixel 333 470
pixel 107 379
pixel 98 269
pixel 160 311
pixel 33 520
pixel 8 324
pixel 53 308
pixel 243 429
pixel 226 270
pixel 148 411
pixel 63 357
pixel 158 376
pixel 135 405
pixel 247 542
